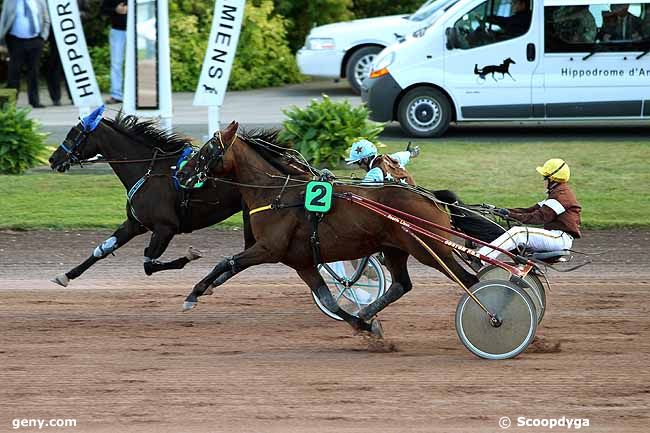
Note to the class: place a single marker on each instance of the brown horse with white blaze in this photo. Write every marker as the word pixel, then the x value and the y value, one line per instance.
pixel 284 230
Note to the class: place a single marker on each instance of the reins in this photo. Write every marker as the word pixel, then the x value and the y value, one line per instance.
pixel 124 161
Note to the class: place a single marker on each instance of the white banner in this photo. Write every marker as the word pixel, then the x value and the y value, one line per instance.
pixel 220 54
pixel 71 42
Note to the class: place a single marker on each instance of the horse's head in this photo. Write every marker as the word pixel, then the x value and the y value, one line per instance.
pixel 76 146
pixel 213 159
pixel 509 61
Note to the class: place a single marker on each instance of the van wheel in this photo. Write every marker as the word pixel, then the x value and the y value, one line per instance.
pixel 424 112
pixel 358 67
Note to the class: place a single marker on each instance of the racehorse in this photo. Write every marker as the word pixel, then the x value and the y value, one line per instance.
pixel 143 156
pixel 286 233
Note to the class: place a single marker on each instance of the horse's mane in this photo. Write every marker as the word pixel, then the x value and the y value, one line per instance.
pixel 149 132
pixel 267 144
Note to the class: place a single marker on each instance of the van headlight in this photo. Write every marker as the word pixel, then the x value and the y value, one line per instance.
pixel 320 44
pixel 380 67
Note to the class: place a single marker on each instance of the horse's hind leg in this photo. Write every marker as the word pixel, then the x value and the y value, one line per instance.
pixel 127 231
pixel 159 242
pixel 396 264
pixel 317 285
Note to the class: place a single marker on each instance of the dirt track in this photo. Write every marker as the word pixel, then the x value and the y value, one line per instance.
pixel 114 352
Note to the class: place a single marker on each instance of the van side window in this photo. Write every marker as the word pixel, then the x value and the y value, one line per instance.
pixel 490 22
pixel 602 27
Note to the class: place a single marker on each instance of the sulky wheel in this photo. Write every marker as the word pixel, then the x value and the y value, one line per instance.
pixel 516 325
pixel 533 286
pixel 370 285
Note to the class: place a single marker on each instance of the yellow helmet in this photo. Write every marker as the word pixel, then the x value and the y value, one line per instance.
pixel 555 169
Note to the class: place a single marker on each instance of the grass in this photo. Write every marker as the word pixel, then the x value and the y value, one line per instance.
pixel 65 201
pixel 611 181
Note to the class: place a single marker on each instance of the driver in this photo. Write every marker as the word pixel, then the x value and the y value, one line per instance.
pixel 379 168
pixel 382 167
pixel 518 23
pixel 559 213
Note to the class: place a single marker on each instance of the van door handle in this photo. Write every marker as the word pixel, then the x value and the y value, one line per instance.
pixel 530 52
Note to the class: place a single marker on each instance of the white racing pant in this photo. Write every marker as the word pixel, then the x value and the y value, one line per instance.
pixel 534 239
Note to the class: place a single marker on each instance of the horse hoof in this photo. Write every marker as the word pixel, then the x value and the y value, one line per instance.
pixel 188 305
pixel 61 280
pixel 193 254
pixel 376 328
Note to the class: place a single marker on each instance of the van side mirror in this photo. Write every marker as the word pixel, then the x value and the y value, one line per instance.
pixel 452 36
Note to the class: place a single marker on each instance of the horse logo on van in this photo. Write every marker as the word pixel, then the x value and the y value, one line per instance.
pixel 503 69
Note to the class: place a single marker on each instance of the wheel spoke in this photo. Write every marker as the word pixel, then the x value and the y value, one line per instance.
pixel 356 301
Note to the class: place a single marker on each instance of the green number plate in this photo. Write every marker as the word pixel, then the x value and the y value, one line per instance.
pixel 318 197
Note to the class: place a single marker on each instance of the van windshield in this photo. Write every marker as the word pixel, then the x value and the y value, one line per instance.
pixel 429 8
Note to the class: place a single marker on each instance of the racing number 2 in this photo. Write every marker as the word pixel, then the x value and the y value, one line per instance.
pixel 318 197
pixel 320 191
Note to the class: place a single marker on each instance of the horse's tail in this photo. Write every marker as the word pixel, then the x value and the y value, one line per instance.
pixel 467 221
pixel 447 196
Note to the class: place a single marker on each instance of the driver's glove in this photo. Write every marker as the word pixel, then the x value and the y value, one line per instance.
pixel 413 151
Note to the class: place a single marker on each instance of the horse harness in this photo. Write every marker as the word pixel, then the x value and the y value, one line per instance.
pixel 184 208
pixel 314 217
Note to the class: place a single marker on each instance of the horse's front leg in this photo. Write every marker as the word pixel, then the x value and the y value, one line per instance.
pixel 228 268
pixel 160 239
pixel 127 231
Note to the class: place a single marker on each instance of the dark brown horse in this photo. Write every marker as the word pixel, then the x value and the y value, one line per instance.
pixel 142 157
pixel 283 230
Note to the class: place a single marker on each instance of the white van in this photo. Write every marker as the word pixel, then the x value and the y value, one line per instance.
pixel 535 60
pixel 347 49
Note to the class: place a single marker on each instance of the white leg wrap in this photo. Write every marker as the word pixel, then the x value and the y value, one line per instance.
pixel 107 247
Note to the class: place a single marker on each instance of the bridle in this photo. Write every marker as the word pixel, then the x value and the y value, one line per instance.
pixel 71 146
pixel 215 150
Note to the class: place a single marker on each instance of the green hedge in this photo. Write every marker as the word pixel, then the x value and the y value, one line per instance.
pixel 101 57
pixel 263 57
pixel 7 96
pixel 378 8
pixel 302 15
pixel 21 142
pixel 324 131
